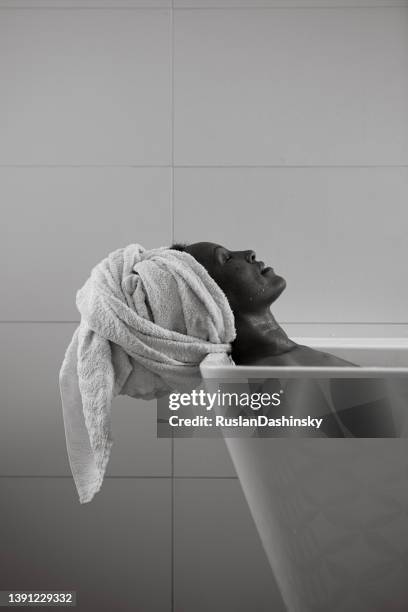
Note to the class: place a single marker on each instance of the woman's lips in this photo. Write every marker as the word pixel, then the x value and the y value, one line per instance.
pixel 264 269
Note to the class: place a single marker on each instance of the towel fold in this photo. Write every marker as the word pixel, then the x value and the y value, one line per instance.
pixel 148 319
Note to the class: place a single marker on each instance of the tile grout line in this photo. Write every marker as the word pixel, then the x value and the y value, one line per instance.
pixel 206 8
pixel 85 166
pixel 339 323
pixel 84 8
pixel 211 166
pixel 288 166
pixel 281 7
pixel 172 482
pixel 173 528
pixel 170 477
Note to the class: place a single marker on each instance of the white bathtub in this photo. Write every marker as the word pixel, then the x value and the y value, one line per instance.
pixel 332 513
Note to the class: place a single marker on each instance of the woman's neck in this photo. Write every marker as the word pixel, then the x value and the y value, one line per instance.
pixel 259 335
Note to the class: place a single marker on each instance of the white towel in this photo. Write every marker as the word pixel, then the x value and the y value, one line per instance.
pixel 148 319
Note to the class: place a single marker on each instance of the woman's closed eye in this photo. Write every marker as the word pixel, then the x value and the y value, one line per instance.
pixel 222 255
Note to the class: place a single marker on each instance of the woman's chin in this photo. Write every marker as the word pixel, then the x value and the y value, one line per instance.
pixel 279 285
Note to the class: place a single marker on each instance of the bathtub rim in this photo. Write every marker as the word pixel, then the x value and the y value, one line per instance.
pixel 224 370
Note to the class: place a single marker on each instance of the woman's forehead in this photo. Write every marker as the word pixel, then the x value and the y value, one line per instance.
pixel 203 252
pixel 204 249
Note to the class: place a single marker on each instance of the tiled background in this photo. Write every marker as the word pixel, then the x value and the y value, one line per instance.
pixel 278 125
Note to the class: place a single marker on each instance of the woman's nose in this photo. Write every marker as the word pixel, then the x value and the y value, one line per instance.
pixel 250 256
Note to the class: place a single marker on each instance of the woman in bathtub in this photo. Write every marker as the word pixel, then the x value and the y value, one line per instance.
pixel 251 288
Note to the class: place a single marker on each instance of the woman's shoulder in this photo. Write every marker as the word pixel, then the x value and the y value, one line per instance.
pixel 301 355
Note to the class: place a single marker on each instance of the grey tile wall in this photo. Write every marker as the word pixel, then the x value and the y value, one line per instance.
pixel 112 109
pixel 91 102
pixel 115 553
pixel 198 457
pixel 291 87
pixel 219 560
pixel 59 222
pixel 32 437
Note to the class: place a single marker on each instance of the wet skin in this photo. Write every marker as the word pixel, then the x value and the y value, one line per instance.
pixel 251 288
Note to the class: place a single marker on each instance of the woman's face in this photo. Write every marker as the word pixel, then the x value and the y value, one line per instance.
pixel 248 284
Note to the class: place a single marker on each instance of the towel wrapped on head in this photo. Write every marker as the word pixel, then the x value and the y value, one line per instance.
pixel 148 319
